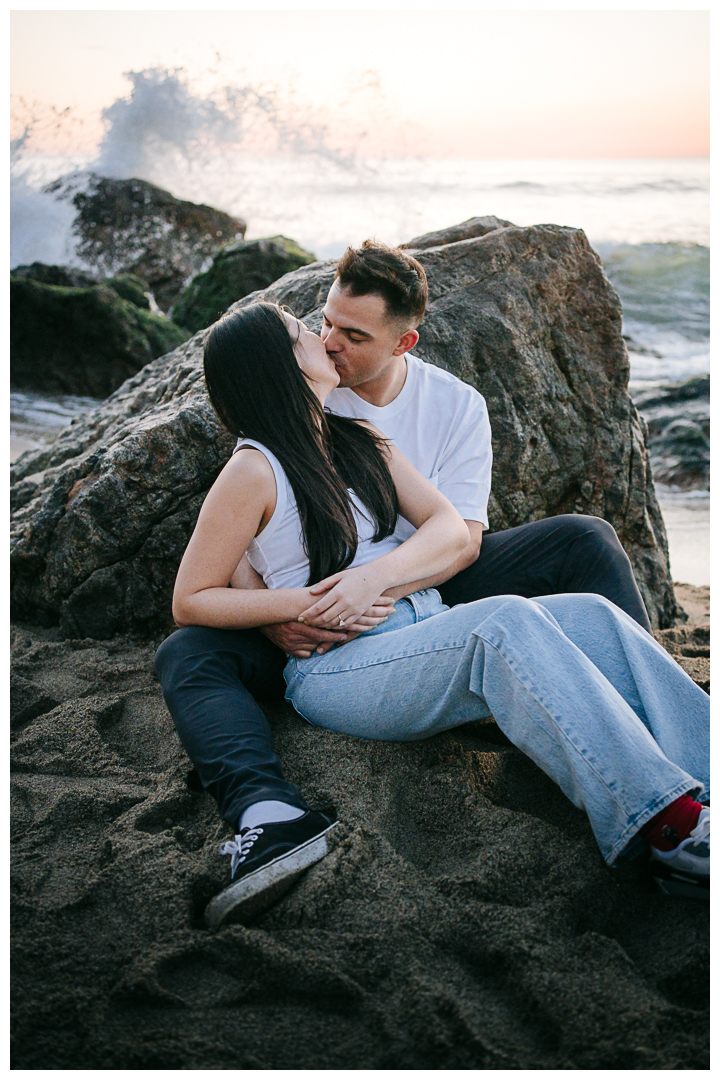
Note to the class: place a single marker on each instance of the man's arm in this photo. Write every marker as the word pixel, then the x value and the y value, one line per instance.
pixel 465 559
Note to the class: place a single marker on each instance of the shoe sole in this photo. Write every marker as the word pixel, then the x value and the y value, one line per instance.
pixel 679 883
pixel 241 902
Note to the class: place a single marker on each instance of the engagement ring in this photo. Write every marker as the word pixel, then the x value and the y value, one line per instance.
pixel 342 622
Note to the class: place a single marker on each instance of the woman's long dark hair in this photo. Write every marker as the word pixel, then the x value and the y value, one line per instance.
pixel 259 392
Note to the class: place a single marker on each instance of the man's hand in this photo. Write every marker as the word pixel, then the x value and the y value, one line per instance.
pixel 300 640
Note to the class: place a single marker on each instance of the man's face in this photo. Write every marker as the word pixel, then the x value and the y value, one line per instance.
pixel 359 336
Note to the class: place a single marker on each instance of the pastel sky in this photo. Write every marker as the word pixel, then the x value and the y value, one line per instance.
pixel 459 84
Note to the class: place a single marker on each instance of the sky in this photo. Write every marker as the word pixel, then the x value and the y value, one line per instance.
pixel 565 84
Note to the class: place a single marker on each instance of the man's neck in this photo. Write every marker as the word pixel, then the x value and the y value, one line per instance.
pixel 386 387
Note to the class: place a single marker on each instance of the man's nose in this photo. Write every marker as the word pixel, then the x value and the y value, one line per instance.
pixel 332 341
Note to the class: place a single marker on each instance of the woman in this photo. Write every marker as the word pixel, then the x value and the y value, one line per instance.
pixel 570 679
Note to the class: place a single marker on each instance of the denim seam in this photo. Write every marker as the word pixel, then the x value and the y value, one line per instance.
pixel 621 642
pixel 564 734
pixel 660 803
pixel 304 717
pixel 387 660
pixel 633 827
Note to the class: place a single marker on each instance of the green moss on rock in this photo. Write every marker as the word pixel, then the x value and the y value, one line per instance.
pixel 50 274
pixel 128 286
pixel 82 340
pixel 237 270
pixel 131 288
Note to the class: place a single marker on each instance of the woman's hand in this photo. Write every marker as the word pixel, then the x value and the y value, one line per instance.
pixel 349 600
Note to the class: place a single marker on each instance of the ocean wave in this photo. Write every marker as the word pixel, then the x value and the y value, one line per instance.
pixel 664 285
pixel 519 185
pixel 670 185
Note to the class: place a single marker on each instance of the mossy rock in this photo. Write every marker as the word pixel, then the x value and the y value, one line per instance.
pixel 237 270
pixel 128 286
pixel 82 340
pixel 133 227
pixel 50 274
pixel 132 288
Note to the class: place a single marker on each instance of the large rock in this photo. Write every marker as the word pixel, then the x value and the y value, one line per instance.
pixel 464 918
pixel 678 439
pixel 69 277
pixel 131 226
pixel 466 230
pixel 524 314
pixel 83 340
pixel 239 269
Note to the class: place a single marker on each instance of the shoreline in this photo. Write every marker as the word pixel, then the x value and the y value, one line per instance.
pixel 695 602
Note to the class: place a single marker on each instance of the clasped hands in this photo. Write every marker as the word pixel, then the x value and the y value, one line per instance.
pixel 349 603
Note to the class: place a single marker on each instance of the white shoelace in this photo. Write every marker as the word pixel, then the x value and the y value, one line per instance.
pixel 702 829
pixel 240 847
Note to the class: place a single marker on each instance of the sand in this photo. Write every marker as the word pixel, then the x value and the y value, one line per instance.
pixel 463 918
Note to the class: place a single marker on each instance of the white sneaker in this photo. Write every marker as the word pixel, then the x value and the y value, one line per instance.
pixel 685 871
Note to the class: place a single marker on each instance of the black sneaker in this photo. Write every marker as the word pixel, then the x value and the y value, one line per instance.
pixel 265 861
pixel 685 871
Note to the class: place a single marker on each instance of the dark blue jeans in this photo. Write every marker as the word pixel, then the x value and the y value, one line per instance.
pixel 211 678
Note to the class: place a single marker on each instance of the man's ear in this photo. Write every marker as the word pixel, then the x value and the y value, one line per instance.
pixel 407 342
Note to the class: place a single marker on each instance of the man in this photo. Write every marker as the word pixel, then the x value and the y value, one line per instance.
pixel 441 424
pixel 211 677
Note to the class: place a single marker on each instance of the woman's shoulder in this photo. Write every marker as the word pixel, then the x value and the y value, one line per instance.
pixel 244 489
pixel 249 465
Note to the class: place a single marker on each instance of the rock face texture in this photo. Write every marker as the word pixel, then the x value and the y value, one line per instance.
pixel 128 286
pixel 464 918
pixel 466 230
pixel 83 339
pixel 524 314
pixel 678 439
pixel 131 226
pixel 239 269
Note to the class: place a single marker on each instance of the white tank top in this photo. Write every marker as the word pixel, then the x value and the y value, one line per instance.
pixel 277 554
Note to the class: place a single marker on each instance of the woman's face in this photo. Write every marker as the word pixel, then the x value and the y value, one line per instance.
pixel 313 361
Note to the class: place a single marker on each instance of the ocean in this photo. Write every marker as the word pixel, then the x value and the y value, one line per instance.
pixel 648 220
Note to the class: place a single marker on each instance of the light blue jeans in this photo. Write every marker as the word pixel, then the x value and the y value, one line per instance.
pixel 571 680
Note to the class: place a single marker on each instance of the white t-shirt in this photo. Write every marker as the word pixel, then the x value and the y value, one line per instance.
pixel 441 425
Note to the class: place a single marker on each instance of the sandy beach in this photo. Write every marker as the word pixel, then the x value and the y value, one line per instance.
pixel 463 919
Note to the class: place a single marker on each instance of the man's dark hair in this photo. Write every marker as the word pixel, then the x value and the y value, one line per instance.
pixel 387 272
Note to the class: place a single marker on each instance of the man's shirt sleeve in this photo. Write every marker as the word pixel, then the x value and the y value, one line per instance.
pixel 465 474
